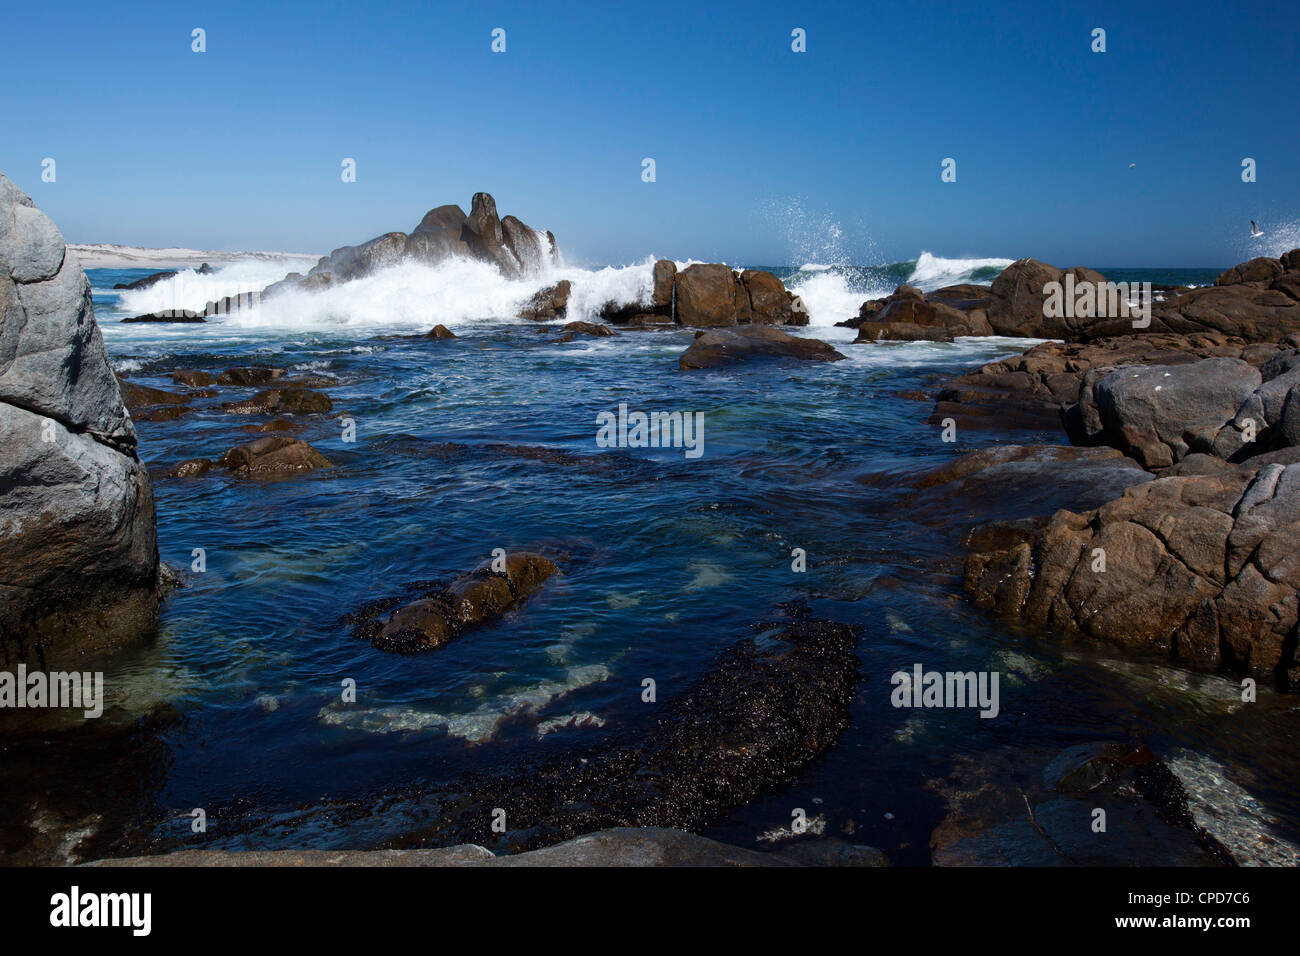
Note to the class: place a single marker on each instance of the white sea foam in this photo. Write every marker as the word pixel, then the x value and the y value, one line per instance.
pixel 190 290
pixel 933 272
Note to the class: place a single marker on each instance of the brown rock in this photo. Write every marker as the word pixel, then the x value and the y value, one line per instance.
pixel 721 346
pixel 706 295
pixel 192 377
pixel 293 401
pixel 444 614
pixel 248 376
pixel 275 454
pixel 665 274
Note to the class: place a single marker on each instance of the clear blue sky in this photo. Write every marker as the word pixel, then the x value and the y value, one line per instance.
pixel 240 147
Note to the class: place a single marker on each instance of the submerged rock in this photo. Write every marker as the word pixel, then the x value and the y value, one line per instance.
pixel 445 613
pixel 280 401
pixel 995 821
pixel 78 548
pixel 766 709
pixel 249 375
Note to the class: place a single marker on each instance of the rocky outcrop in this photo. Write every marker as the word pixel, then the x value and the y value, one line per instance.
pixel 275 454
pixel 270 457
pixel 710 295
pixel 78 552
pixel 549 303
pixel 723 346
pixel 249 376
pixel 1256 302
pixel 1204 568
pixel 445 232
pixel 908 316
pixel 443 614
pixel 999 815
pixel 1036 388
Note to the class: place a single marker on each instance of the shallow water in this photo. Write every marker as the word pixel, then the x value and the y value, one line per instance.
pixel 666 561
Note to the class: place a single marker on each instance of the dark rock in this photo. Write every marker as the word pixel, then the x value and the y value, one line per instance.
pixel 170 315
pixel 721 346
pixel 139 397
pixel 1261 270
pixel 589 328
pixel 443 614
pixel 549 303
pixel 440 332
pixel 192 468
pixel 249 376
pixel 769 301
pixel 147 281
pixel 665 274
pixel 192 377
pixel 278 401
pixel 273 455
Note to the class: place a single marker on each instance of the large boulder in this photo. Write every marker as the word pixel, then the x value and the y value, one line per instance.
pixel 706 295
pixel 1018 295
pixel 445 232
pixel 1158 414
pixel 723 346
pixel 1045 383
pixel 770 303
pixel 439 236
pixel 907 315
pixel 78 552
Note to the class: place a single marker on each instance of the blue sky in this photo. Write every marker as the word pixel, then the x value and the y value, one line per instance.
pixel 758 149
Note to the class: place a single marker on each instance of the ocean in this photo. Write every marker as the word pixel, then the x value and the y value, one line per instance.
pixel 667 560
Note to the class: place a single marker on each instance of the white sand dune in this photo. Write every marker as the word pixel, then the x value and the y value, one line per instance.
pixel 109 255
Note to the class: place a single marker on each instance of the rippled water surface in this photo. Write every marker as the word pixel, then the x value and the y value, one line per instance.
pixel 666 560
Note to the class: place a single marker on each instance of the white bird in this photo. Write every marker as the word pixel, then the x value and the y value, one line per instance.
pixel 1132 165
pixel 1255 231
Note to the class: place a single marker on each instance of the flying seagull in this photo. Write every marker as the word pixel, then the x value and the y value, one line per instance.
pixel 1255 231
pixel 1132 165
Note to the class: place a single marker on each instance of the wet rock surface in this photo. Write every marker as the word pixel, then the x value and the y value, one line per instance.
pixel 1052 821
pixel 1203 568
pixel 723 346
pixel 78 552
pixel 442 614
